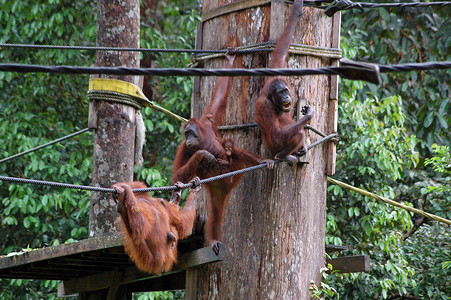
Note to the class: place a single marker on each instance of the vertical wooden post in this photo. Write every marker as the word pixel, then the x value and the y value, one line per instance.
pixel 114 138
pixel 333 96
pixel 274 228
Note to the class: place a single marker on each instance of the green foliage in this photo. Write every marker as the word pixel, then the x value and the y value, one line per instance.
pixel 325 291
pixel 381 129
pixel 408 35
pixel 377 152
pixel 174 28
pixel 428 251
pixel 442 162
pixel 35 109
pixel 167 295
pixel 374 150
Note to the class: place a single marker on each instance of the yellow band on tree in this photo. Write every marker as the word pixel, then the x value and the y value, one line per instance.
pixel 118 86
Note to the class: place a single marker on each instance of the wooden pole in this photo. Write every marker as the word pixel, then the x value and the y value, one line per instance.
pixel 114 139
pixel 274 227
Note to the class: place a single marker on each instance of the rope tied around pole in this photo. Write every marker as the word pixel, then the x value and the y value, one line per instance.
pixel 269 47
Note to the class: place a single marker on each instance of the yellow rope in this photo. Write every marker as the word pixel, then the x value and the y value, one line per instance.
pixel 167 112
pixel 391 202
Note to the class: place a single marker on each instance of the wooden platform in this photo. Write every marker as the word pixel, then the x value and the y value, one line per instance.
pixel 99 263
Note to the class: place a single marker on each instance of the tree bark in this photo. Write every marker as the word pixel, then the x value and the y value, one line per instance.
pixel 274 228
pixel 114 139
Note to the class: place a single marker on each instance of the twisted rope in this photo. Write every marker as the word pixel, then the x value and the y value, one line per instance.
pixel 330 136
pixel 349 69
pixel 151 189
pixel 339 5
pixel 115 97
pixel 45 145
pixel 165 71
pixel 56 184
pixel 238 126
pixel 263 47
pixel 92 48
pixel 314 130
pixel 270 46
pixel 391 202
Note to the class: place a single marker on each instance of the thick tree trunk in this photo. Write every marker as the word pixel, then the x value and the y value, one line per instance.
pixel 114 139
pixel 274 228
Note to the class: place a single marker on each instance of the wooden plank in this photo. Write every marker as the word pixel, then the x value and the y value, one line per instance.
pixel 92 116
pixel 128 275
pixel 115 279
pixel 232 7
pixel 350 264
pixel 196 79
pixel 168 282
pixel 47 253
pixel 334 248
pixel 333 97
pixel 332 128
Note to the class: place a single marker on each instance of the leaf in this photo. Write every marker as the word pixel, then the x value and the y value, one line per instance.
pixel 443 122
pixel 428 120
pixel 26 222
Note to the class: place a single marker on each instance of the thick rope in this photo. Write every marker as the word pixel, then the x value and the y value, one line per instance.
pixel 56 184
pixel 270 46
pixel 45 145
pixel 330 136
pixel 339 5
pixel 263 47
pixel 238 126
pixel 349 70
pixel 252 125
pixel 391 202
pixel 92 48
pixel 314 130
pixel 151 189
pixel 169 71
pixel 114 97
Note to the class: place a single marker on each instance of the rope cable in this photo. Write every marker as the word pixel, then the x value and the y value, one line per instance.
pixel 339 5
pixel 94 48
pixel 391 202
pixel 240 50
pixel 355 71
pixel 165 71
pixel 56 184
pixel 150 189
pixel 45 145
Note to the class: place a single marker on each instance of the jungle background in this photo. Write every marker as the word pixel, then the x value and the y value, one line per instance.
pixel 394 140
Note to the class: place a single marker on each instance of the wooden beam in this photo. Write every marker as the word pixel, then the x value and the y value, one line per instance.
pixel 334 248
pixel 333 99
pixel 350 264
pixel 47 253
pixel 128 275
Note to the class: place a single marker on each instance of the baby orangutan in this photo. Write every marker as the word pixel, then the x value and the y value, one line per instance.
pixel 152 227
